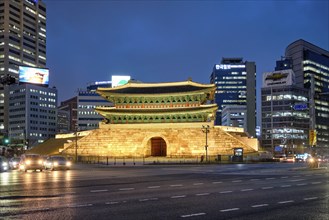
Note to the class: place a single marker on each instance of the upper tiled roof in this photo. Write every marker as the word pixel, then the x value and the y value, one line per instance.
pixel 157 88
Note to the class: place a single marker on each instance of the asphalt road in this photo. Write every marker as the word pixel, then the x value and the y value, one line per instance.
pixel 236 191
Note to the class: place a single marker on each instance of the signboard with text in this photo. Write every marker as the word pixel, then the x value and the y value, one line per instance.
pixel 278 78
pixel 300 106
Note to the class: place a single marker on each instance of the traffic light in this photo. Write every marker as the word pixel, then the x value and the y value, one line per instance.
pixel 6 141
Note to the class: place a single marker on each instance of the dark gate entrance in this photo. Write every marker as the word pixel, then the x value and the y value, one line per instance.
pixel 158 147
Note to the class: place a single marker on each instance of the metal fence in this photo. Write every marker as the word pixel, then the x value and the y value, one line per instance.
pixel 173 159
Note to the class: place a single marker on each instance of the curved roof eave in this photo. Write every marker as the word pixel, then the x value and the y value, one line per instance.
pixel 163 84
pixel 113 110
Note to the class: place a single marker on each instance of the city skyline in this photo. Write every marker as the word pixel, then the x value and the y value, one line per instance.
pixel 161 41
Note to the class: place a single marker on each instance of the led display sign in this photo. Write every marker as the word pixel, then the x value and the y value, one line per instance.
pixel 229 66
pixel 33 75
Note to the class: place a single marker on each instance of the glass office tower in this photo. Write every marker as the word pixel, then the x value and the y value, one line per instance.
pixel 235 81
pixel 310 61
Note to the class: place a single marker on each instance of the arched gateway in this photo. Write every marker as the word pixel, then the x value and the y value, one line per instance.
pixel 158 147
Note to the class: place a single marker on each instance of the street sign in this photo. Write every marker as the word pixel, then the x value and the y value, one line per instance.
pixel 300 106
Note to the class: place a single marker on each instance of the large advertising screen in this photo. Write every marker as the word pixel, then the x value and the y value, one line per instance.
pixel 119 80
pixel 33 75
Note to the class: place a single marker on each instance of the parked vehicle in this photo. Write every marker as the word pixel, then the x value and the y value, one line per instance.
pixel 57 162
pixel 4 166
pixel 14 163
pixel 31 162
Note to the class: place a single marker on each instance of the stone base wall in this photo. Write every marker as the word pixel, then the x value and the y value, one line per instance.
pixel 134 140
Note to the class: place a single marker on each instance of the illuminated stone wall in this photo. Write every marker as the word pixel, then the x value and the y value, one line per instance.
pixel 133 140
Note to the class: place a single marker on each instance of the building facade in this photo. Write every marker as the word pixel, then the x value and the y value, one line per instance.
pixel 235 82
pixel 79 112
pixel 22 40
pixel 235 115
pixel 63 121
pixel 285 114
pixel 32 113
pixel 312 62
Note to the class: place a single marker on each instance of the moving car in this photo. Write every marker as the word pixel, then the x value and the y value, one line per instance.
pixel 14 163
pixel 3 164
pixel 288 159
pixel 31 162
pixel 57 162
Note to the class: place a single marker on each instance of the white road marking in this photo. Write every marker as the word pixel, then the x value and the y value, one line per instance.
pixel 284 202
pixel 216 182
pixel 81 205
pixel 259 205
pixel 202 194
pixel 310 198
pixel 37 209
pixel 316 182
pixel 99 190
pixel 295 176
pixel 148 199
pixel 284 186
pixel 125 189
pixel 153 187
pixel 302 184
pixel 176 197
pixel 229 210
pixel 194 214
pixel 267 187
pixel 254 179
pixel 284 177
pixel 270 178
pixel 236 181
pixel 296 180
pixel 225 192
pixel 177 185
pixel 197 184
pixel 111 203
pixel 245 190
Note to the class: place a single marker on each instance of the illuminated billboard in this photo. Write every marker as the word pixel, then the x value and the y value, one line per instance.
pixel 120 80
pixel 33 75
pixel 278 78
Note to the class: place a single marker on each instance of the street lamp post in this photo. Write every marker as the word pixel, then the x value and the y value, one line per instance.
pixel 206 129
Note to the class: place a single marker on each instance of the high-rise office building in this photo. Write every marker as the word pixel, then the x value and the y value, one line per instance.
pixel 312 62
pixel 32 113
pixel 285 115
pixel 22 40
pixel 235 81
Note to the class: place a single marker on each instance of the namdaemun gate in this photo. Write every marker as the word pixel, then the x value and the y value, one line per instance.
pixel 160 120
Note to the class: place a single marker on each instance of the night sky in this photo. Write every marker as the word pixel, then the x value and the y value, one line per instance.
pixel 166 41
